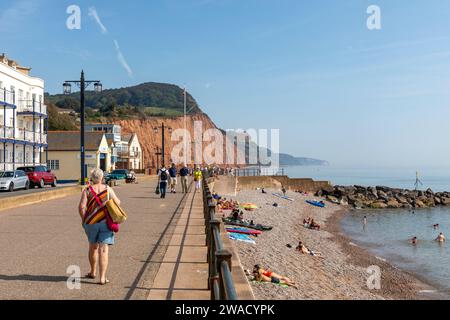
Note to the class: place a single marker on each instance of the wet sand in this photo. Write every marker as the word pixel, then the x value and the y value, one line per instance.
pixel 341 272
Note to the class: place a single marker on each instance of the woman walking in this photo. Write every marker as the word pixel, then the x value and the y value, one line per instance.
pixel 198 178
pixel 93 213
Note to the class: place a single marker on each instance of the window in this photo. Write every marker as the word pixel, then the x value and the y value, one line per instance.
pixel 53 164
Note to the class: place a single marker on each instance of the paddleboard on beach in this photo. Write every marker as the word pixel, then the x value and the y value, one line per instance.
pixel 241 237
pixel 316 203
pixel 244 231
pixel 282 197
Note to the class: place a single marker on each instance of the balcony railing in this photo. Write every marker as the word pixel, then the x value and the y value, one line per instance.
pixel 32 106
pixel 23 135
pixel 7 96
pixel 6 132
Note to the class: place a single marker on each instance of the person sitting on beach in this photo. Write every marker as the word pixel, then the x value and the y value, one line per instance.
pixel 263 191
pixel 414 241
pixel 307 222
pixel 262 275
pixel 440 238
pixel 305 250
pixel 313 225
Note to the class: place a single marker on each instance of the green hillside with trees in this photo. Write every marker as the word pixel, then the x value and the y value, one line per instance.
pixel 145 100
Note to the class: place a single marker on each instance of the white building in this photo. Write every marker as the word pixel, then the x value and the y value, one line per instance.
pixel 23 115
pixel 130 153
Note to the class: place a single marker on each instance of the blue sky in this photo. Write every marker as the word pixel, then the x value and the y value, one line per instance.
pixel 337 90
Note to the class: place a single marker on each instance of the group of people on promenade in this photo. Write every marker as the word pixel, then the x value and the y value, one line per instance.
pixel 168 178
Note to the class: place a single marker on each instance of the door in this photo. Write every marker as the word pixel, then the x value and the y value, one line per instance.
pixel 23 179
pixel 103 161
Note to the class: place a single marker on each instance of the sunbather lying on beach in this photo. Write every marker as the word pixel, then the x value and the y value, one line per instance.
pixel 224 204
pixel 305 250
pixel 262 275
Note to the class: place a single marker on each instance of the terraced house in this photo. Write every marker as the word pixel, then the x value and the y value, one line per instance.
pixel 23 115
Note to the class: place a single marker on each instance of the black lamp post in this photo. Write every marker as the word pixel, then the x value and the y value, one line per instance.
pixel 163 144
pixel 82 84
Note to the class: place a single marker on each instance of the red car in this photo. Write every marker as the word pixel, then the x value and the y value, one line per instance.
pixel 40 176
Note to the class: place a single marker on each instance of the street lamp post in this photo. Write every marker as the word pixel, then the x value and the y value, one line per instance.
pixel 82 84
pixel 163 144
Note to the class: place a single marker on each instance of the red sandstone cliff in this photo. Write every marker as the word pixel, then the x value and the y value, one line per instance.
pixel 150 140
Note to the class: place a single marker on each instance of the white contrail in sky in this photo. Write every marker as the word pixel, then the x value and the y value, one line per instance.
pixel 120 57
pixel 122 60
pixel 93 13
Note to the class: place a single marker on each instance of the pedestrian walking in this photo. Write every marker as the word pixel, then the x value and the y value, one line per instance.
pixel 198 178
pixel 173 178
pixel 163 180
pixel 184 173
pixel 93 213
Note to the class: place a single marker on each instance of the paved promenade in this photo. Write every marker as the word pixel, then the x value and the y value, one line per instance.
pixel 39 242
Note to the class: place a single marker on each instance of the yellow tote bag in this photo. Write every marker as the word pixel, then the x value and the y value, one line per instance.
pixel 117 214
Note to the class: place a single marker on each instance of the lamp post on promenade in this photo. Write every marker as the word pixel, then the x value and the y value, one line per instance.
pixel 163 144
pixel 83 84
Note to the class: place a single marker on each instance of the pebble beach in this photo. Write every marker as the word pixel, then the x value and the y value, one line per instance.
pixel 340 273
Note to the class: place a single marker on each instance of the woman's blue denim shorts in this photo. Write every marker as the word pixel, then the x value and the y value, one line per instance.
pixel 99 233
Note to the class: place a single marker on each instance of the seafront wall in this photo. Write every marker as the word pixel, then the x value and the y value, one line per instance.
pixel 303 184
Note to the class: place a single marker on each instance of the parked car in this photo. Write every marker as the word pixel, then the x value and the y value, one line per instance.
pixel 13 180
pixel 119 174
pixel 40 176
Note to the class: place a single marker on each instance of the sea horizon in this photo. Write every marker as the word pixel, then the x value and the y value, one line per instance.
pixel 437 178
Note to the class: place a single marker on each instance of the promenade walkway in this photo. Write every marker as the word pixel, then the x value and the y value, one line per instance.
pixel 160 244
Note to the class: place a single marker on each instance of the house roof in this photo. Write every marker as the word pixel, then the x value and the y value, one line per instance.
pixel 127 137
pixel 70 140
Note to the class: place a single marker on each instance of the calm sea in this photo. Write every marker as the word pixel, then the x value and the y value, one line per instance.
pixel 387 232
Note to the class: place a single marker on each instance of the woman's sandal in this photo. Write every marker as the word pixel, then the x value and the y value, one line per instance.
pixel 103 283
pixel 90 276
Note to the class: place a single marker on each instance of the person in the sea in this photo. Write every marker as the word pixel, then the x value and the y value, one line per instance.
pixel 414 241
pixel 305 250
pixel 365 220
pixel 268 275
pixel 440 238
pixel 436 226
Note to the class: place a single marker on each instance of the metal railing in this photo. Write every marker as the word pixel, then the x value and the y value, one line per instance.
pixel 32 106
pixel 7 96
pixel 219 259
pixel 256 172
pixel 22 134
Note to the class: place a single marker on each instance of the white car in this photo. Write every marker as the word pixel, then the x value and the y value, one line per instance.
pixel 13 180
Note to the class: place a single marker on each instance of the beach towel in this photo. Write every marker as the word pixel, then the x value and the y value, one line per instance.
pixel 241 237
pixel 264 282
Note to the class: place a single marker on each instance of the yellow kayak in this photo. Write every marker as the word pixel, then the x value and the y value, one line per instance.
pixel 249 206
